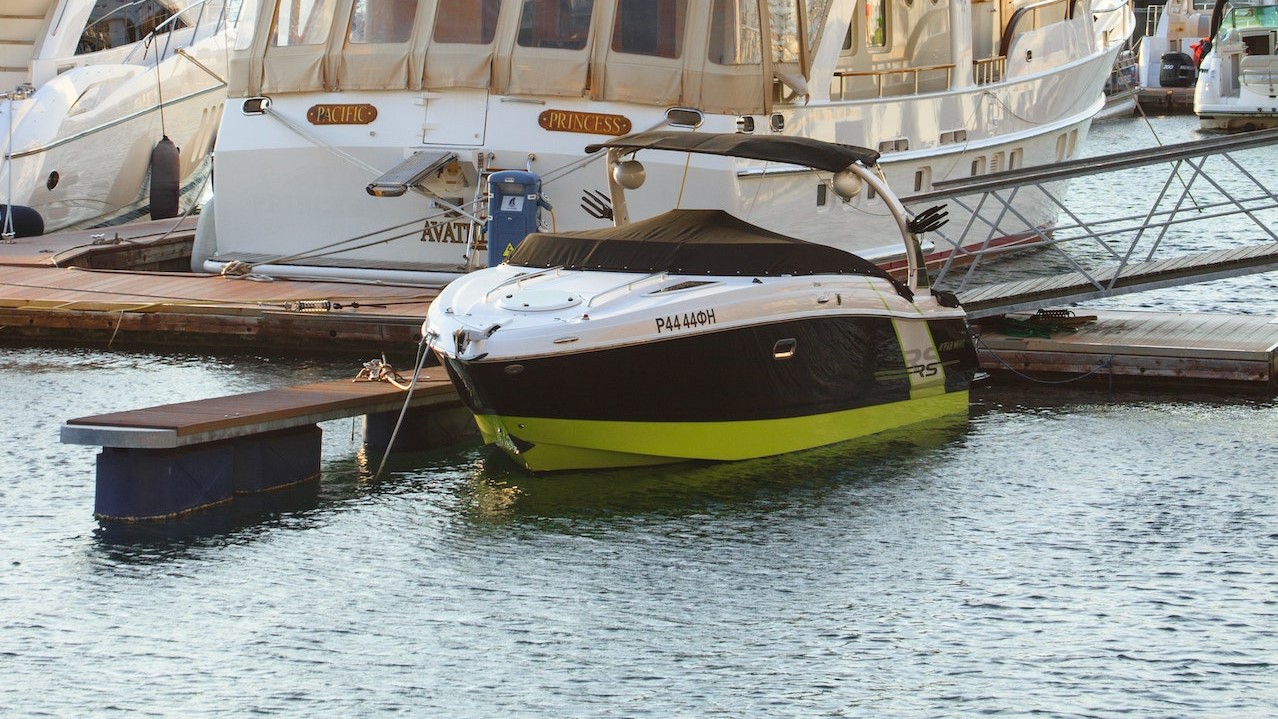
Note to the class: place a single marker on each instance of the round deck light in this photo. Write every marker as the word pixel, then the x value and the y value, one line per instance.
pixel 629 174
pixel 846 184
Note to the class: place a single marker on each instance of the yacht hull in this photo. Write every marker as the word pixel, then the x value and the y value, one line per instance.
pixel 543 444
pixel 726 395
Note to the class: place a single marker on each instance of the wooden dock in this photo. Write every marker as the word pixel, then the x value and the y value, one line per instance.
pixel 1182 349
pixel 92 287
pixel 1167 100
pixel 166 461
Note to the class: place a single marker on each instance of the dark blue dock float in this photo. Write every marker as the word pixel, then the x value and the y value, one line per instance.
pixel 167 461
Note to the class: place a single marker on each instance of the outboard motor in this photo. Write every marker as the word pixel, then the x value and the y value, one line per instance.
pixel 1176 69
pixel 514 207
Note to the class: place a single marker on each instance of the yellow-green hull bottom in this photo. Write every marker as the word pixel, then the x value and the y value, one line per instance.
pixel 545 445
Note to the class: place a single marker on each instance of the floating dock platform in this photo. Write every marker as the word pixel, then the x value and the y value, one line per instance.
pixel 1182 349
pixel 131 286
pixel 167 461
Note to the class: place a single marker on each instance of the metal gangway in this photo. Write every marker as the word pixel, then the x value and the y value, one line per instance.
pixel 1210 219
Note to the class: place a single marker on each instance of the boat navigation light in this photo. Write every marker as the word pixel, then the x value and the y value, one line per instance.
pixel 629 174
pixel 846 184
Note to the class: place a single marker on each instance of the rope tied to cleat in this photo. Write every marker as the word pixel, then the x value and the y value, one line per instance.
pixel 379 370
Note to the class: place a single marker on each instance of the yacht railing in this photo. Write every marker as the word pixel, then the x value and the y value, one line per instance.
pixel 520 279
pixel 1153 14
pixel 169 26
pixel 881 78
pixel 989 70
pixel 627 286
pixel 1032 15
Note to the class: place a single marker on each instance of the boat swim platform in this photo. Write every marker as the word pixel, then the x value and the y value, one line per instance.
pixel 1135 347
pixel 167 461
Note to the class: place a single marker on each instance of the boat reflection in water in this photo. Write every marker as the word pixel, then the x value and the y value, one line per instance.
pixel 696 335
pixel 499 490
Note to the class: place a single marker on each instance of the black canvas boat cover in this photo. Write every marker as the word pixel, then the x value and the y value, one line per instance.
pixel 690 242
pixel 805 151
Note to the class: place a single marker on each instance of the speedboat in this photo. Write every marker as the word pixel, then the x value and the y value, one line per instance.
pixel 108 108
pixel 1238 83
pixel 695 335
pixel 382 121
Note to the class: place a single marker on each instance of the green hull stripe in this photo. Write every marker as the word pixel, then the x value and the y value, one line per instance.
pixel 558 444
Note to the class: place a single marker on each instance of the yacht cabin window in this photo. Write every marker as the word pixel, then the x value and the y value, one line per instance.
pixel 301 22
pixel 849 39
pixel 734 33
pixel 876 24
pixel 649 27
pixel 1246 16
pixel 472 22
pixel 560 24
pixel 783 21
pixel 382 21
pixel 817 11
pixel 113 23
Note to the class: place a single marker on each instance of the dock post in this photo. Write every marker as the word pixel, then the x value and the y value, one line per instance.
pixel 423 428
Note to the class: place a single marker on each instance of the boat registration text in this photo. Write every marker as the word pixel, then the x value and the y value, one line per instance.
pixel 685 321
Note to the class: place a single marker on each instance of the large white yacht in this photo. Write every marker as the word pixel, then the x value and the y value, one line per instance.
pixel 361 134
pixel 98 98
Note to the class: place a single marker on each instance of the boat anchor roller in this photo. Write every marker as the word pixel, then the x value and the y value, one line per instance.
pixel 514 211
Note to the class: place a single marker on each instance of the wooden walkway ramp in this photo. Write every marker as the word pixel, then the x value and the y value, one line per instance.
pixel 1032 294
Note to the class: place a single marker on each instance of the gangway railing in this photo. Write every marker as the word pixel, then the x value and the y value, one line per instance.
pixel 1107 250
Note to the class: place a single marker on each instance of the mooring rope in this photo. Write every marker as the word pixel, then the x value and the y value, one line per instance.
pixel 1104 364
pixel 423 351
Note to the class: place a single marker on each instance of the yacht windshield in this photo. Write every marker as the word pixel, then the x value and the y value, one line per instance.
pixel 114 23
pixel 1251 16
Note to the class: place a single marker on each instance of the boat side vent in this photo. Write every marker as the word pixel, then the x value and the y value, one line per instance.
pixel 686 285
pixel 784 349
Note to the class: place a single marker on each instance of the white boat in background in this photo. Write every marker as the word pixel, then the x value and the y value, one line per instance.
pixel 1238 85
pixel 1169 52
pixel 361 133
pixel 89 92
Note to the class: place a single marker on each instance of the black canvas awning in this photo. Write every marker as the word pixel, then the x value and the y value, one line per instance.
pixel 689 242
pixel 804 151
